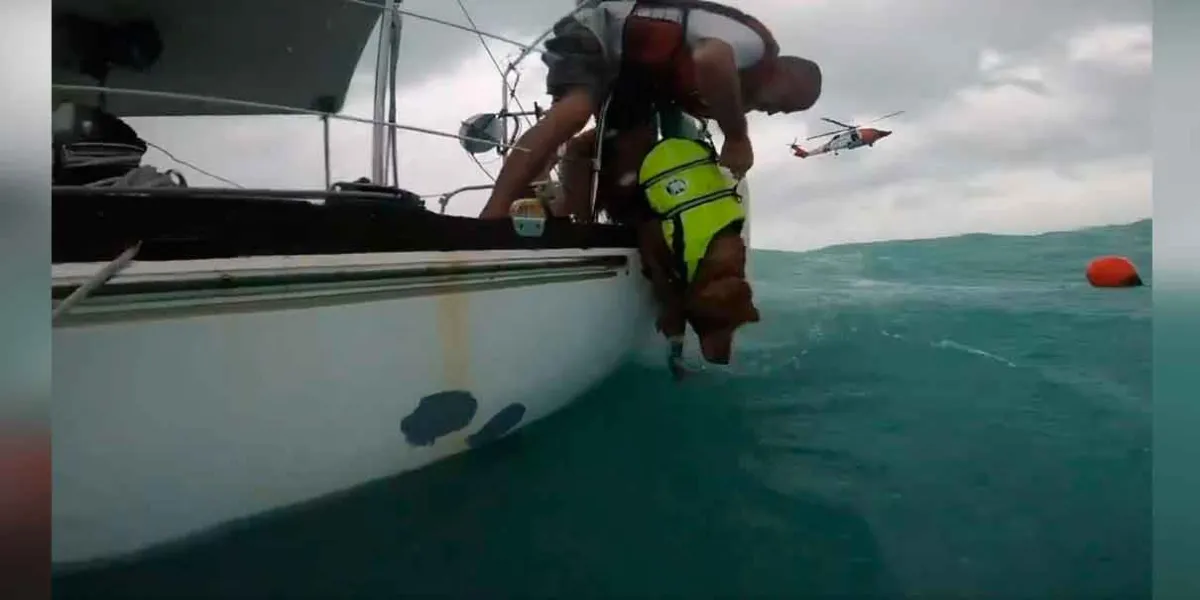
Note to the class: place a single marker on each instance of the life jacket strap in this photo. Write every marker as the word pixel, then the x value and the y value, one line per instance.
pixel 678 246
pixel 700 201
pixel 675 170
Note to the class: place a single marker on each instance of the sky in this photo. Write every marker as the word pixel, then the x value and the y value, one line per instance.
pixel 1022 116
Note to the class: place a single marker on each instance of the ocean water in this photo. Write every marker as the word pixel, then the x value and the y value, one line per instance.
pixel 936 419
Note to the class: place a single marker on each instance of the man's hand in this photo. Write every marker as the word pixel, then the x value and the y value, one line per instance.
pixel 670 323
pixel 737 155
pixel 675 359
pixel 678 371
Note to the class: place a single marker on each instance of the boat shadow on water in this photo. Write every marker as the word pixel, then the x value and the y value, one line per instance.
pixel 639 489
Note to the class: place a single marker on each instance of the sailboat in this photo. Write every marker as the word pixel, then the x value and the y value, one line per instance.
pixel 220 352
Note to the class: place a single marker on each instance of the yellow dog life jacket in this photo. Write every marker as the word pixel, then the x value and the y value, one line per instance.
pixel 693 198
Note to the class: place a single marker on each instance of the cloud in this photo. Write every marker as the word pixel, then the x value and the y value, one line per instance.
pixel 1012 108
pixel 1124 46
pixel 990 60
pixel 1020 116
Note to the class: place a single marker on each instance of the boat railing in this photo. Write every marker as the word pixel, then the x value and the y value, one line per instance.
pixel 444 198
pixel 265 106
pixel 494 135
pixel 278 108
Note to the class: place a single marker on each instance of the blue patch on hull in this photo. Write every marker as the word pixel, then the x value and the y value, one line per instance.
pixel 437 415
pixel 501 423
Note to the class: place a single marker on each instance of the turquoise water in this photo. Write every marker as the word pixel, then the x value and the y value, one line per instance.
pixel 949 418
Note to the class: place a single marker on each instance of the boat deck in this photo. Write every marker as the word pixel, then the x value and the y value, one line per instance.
pixel 98 224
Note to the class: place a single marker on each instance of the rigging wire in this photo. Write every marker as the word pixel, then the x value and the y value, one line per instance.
pixel 483 168
pixel 503 76
pixel 192 166
pixel 482 40
pixel 525 47
pixel 492 57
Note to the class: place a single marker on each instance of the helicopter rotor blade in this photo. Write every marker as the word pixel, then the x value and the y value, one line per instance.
pixel 826 134
pixel 887 116
pixel 838 123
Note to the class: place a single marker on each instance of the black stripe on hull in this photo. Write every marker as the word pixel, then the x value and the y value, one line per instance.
pixel 96 225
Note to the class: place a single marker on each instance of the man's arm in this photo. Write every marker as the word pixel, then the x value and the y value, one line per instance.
pixel 653 250
pixel 719 85
pixel 671 323
pixel 535 149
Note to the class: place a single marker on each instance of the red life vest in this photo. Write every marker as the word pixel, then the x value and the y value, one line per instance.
pixel 659 47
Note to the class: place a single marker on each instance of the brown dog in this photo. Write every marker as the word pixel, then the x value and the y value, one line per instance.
pixel 716 303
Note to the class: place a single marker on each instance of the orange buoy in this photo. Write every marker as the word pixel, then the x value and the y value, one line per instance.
pixel 1113 271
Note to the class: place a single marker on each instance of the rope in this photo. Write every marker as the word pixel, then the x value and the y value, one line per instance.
pixel 601 130
pixel 101 277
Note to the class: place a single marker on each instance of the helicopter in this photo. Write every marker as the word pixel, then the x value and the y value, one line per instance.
pixel 848 137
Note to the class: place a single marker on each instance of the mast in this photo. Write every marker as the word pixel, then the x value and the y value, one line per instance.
pixel 384 63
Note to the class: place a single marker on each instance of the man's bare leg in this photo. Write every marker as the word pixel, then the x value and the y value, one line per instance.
pixel 617 187
pixel 577 175
pixel 547 190
pixel 565 118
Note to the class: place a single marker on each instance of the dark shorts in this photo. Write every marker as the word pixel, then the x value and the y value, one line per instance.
pixel 575 59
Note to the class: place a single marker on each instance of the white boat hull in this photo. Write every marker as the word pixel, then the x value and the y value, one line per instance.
pixel 173 416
